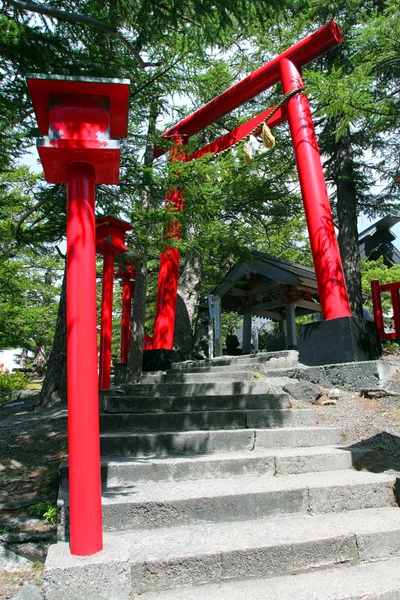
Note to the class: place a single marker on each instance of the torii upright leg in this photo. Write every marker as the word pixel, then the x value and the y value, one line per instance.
pixel 164 325
pixel 324 246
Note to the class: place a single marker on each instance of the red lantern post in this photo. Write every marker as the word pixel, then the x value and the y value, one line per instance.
pixel 110 238
pixel 78 117
pixel 128 274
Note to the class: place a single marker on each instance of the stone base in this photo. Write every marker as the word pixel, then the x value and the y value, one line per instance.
pixel 348 339
pixel 119 373
pixel 161 360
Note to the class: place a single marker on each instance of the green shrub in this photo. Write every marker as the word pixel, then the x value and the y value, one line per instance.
pixel 10 382
pixel 45 509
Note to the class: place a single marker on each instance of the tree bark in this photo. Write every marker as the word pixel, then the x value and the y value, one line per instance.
pixel 135 359
pixel 54 389
pixel 347 222
pixel 40 360
pixel 188 287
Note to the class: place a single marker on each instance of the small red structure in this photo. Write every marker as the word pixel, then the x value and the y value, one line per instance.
pixel 147 342
pixel 110 240
pixel 78 117
pixel 286 69
pixel 126 272
pixel 376 290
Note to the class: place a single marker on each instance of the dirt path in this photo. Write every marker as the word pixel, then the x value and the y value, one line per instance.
pixel 33 442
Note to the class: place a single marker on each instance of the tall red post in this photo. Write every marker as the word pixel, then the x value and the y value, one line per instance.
pixel 110 236
pixel 164 325
pixel 127 273
pixel 106 320
pixel 83 425
pixel 77 118
pixel 324 246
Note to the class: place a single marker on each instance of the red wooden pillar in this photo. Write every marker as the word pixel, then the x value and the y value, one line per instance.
pixel 128 292
pixel 164 325
pixel 83 429
pixel 377 305
pixel 110 237
pixel 324 246
pixel 78 118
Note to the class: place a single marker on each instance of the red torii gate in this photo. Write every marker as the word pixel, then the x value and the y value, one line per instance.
pixel 286 69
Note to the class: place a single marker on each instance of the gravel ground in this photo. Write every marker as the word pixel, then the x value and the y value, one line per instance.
pixel 33 441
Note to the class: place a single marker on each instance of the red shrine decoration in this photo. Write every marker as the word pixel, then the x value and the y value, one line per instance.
pixel 78 117
pixel 376 290
pixel 285 68
pixel 110 240
pixel 126 272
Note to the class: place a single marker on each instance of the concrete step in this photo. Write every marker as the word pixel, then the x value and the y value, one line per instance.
pixel 262 548
pixel 208 388
pixel 206 442
pixel 204 500
pixel 208 420
pixel 264 554
pixel 219 370
pixel 166 504
pixel 370 581
pixel 216 375
pixel 286 358
pixel 138 404
pixel 123 472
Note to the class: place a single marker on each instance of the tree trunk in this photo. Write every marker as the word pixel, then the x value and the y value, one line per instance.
pixel 40 360
pixel 347 222
pixel 188 287
pixel 200 341
pixel 54 387
pixel 135 359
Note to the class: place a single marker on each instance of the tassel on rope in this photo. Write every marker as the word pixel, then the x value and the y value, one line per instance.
pixel 267 137
pixel 248 156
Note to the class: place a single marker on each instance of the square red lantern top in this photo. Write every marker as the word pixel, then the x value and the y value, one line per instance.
pixel 42 87
pixel 110 234
pixel 78 117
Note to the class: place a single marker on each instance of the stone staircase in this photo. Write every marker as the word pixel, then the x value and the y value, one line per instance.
pixel 215 486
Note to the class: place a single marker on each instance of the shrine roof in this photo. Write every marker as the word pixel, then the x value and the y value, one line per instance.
pixel 264 284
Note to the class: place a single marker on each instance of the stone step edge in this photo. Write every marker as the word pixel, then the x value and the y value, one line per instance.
pixel 262 368
pixel 257 386
pixel 202 488
pixel 230 432
pixel 125 550
pixel 191 443
pixel 274 462
pixel 256 548
pixel 168 402
pixel 262 357
pixel 367 581
pixel 203 420
pixel 161 504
